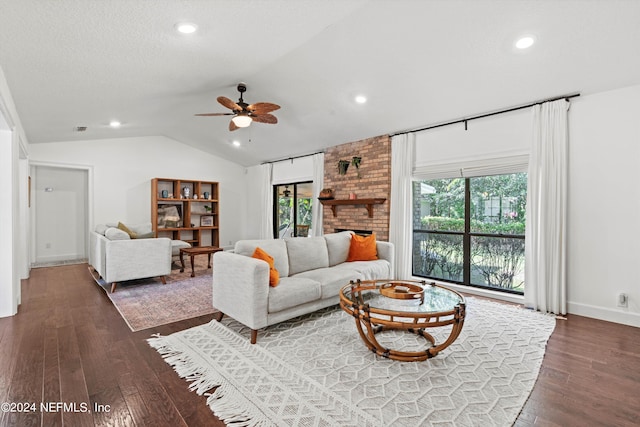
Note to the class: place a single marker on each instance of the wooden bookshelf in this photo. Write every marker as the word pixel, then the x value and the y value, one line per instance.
pixel 196 205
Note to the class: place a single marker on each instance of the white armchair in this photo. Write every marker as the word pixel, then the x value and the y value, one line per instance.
pixel 117 258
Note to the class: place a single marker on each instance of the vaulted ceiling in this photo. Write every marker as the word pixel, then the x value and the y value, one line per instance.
pixel 76 63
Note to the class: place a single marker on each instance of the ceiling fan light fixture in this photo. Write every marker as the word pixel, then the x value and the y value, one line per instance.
pixel 242 120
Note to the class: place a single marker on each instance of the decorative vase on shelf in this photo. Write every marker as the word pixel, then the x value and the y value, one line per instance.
pixel 164 194
pixel 186 192
pixel 206 194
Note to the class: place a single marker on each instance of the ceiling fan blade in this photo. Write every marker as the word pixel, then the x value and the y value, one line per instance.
pixel 214 114
pixel 228 103
pixel 263 107
pixel 265 118
pixel 232 126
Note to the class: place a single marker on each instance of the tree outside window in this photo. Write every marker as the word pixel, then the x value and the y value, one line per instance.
pixel 471 230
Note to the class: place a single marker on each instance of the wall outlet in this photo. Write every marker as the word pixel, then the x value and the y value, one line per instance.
pixel 623 300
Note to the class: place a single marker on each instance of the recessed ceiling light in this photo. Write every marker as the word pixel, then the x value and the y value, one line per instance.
pixel 525 42
pixel 114 124
pixel 236 143
pixel 361 99
pixel 186 27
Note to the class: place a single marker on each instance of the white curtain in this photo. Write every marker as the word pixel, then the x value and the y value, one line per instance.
pixel 318 181
pixel 401 212
pixel 266 201
pixel 546 223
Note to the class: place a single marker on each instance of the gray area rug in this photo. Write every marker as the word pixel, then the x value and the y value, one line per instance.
pixel 147 303
pixel 315 371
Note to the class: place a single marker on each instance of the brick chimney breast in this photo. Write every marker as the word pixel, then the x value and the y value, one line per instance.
pixel 374 182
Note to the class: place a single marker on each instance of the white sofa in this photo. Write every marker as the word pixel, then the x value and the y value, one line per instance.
pixel 116 257
pixel 312 271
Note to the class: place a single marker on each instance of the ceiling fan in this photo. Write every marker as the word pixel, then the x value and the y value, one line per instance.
pixel 243 113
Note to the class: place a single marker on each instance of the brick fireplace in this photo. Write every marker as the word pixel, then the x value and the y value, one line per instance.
pixel 374 182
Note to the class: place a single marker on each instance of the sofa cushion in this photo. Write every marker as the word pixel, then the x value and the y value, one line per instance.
pixel 274 276
pixel 363 248
pixel 126 229
pixel 277 248
pixel 338 247
pixel 113 233
pixel 378 269
pixel 101 228
pixel 307 253
pixel 331 279
pixel 291 292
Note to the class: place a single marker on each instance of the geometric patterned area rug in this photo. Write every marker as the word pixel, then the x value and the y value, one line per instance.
pixel 315 371
pixel 146 303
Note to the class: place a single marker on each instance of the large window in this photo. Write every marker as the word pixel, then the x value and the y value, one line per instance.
pixel 292 209
pixel 471 230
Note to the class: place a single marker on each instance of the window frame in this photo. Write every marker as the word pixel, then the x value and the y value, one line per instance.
pixel 467 236
pixel 294 195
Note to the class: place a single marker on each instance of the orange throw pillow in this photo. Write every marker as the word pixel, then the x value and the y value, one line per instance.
pixel 362 248
pixel 274 276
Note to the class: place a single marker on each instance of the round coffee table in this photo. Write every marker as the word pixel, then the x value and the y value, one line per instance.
pixel 408 305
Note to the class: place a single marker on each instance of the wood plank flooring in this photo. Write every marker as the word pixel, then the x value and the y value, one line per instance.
pixel 69 344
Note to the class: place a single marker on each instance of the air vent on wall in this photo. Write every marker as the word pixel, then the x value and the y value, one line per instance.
pixel 80 128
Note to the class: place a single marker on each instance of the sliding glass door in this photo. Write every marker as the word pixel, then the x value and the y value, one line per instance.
pixel 292 209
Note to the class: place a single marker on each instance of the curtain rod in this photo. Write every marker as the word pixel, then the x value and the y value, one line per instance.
pixel 493 113
pixel 291 158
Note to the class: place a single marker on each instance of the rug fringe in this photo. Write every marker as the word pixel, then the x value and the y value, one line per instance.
pixel 225 402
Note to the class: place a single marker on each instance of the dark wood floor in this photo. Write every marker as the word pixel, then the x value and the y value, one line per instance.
pixel 69 344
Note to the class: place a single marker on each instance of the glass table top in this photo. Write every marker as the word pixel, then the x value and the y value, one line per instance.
pixel 437 299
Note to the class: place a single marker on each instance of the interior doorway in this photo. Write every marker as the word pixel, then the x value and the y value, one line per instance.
pixel 292 210
pixel 60 215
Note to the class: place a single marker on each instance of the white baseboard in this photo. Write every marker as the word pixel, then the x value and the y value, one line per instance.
pixel 58 258
pixel 602 313
pixel 622 316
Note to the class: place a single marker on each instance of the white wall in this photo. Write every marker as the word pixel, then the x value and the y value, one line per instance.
pixel 603 233
pixel 604 204
pixel 494 136
pixel 8 275
pixel 295 170
pixel 13 147
pixel 254 207
pixel 122 170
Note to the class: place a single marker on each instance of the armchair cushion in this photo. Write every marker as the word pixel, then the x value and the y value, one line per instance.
pixel 116 234
pixel 126 229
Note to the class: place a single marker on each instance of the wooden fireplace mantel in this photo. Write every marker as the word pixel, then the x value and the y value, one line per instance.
pixel 368 203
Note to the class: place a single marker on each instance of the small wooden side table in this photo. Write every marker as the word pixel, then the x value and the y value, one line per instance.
pixel 198 250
